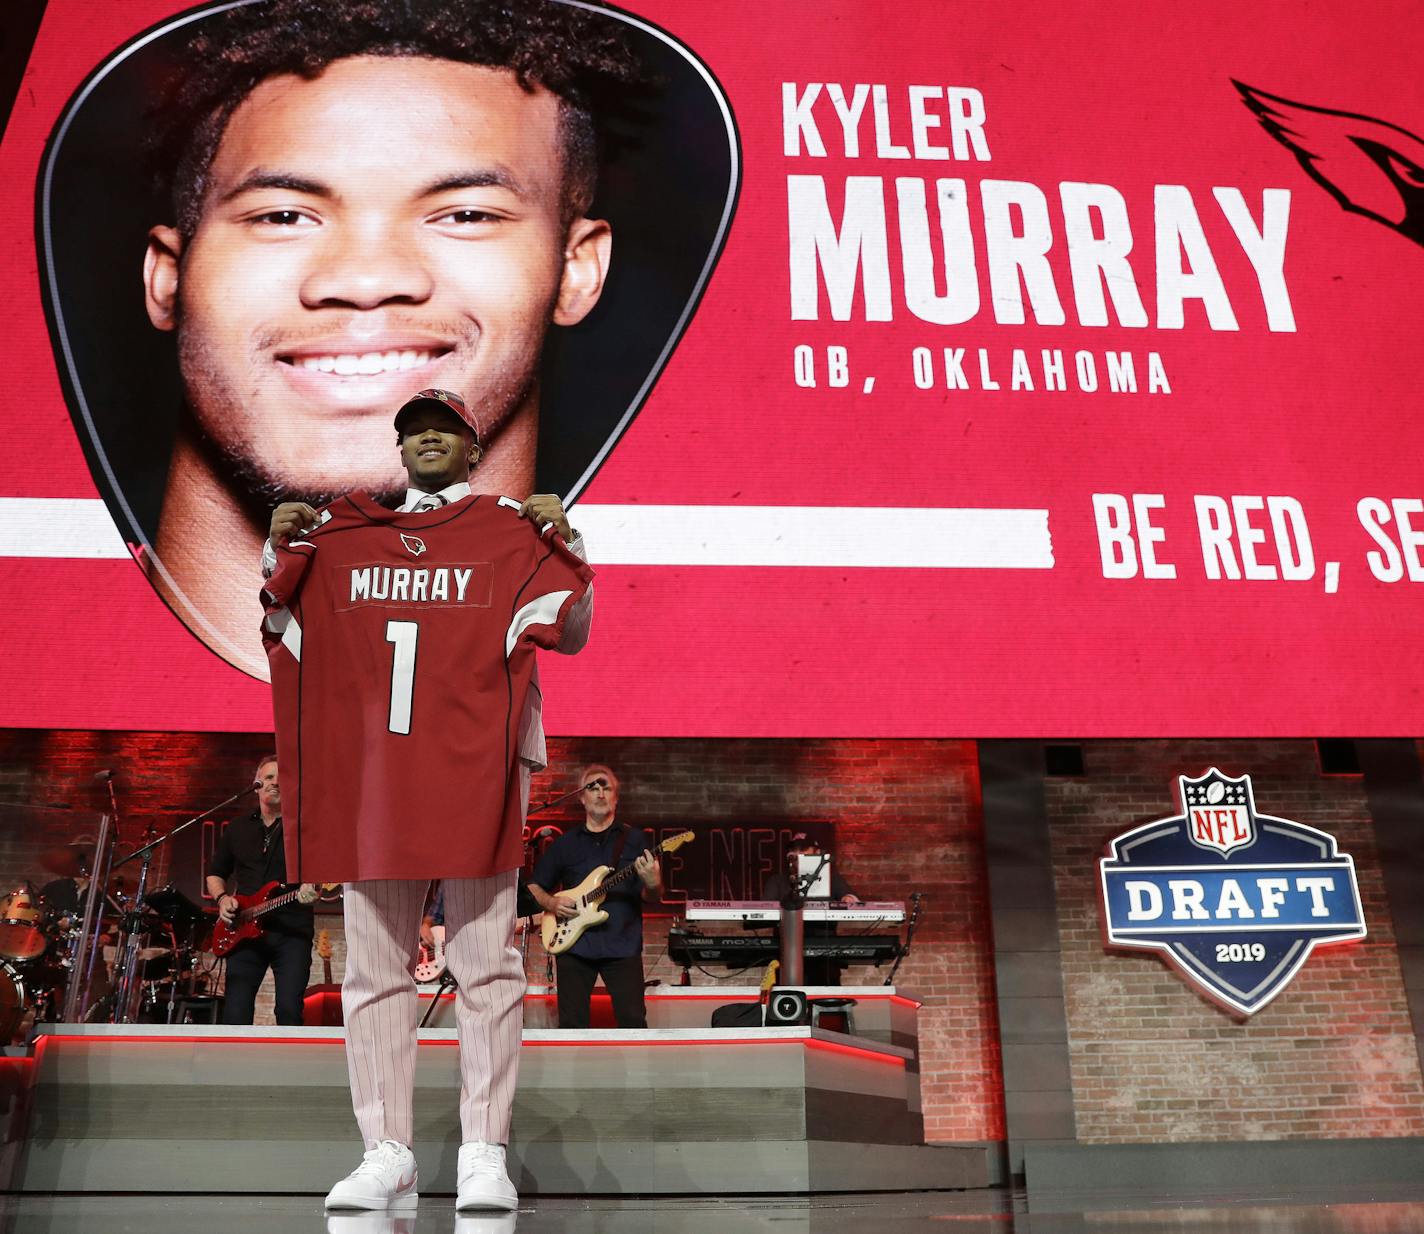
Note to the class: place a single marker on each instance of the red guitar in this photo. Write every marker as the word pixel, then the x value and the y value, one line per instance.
pixel 251 909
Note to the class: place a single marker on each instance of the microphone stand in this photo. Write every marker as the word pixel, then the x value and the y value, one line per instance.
pixel 552 802
pixel 113 801
pixel 526 924
pixel 528 845
pixel 447 984
pixel 793 926
pixel 133 918
pixel 81 975
pixel 915 900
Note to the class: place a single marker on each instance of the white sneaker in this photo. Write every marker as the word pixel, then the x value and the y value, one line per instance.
pixel 385 1179
pixel 485 1223
pixel 484 1181
pixel 354 1222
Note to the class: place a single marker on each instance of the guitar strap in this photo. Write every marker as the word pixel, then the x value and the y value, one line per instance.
pixel 623 830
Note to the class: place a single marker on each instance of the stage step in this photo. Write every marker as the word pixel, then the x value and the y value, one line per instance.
pixel 789 1109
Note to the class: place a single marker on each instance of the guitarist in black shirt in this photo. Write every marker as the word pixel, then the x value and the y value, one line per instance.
pixel 248 857
pixel 614 949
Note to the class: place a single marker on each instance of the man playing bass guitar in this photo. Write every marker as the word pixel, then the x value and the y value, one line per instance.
pixel 614 949
pixel 247 857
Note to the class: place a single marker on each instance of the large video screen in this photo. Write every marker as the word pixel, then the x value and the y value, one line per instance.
pixel 935 369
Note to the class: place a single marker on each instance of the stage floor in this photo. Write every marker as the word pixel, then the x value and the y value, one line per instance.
pixel 1398 1210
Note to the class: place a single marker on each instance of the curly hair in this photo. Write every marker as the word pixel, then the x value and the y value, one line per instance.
pixel 581 56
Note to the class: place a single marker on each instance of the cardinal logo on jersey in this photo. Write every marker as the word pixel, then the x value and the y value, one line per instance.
pixel 1234 900
pixel 414 543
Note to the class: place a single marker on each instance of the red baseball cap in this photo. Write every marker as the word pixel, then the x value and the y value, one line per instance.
pixel 442 398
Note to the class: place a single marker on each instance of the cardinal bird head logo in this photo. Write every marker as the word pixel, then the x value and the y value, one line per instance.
pixel 414 543
pixel 1369 166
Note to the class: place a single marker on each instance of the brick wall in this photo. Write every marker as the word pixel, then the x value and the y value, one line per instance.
pixel 161 779
pixel 1332 1056
pixel 907 819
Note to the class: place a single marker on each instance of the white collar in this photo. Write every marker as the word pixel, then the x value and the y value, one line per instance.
pixel 414 496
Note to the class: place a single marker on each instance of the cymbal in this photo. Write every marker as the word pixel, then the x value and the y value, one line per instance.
pixel 67 860
pixel 176 908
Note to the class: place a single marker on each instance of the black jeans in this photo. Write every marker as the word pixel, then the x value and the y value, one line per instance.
pixel 623 978
pixel 289 958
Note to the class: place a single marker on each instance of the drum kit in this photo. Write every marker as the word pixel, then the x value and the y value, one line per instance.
pixel 41 956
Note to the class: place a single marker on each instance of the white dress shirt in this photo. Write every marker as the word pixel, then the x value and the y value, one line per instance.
pixel 532 748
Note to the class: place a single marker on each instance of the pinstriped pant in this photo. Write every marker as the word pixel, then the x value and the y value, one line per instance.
pixel 378 998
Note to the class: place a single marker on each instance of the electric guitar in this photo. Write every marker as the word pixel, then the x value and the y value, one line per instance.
pixel 246 922
pixel 323 951
pixel 588 896
pixel 432 959
pixel 321 1005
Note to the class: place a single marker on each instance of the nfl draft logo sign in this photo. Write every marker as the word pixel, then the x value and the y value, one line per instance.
pixel 1233 900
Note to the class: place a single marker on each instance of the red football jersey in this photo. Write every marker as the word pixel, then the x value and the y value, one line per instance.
pixel 401 648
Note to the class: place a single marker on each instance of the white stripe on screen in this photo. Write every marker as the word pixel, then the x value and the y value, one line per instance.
pixel 835 537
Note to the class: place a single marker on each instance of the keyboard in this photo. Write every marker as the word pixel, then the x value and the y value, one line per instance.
pixel 888 911
pixel 746 950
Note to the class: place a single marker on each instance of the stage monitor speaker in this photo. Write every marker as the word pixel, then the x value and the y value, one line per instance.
pixel 787 1007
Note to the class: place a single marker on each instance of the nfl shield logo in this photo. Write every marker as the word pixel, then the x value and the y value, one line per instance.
pixel 1238 928
pixel 414 543
pixel 1221 815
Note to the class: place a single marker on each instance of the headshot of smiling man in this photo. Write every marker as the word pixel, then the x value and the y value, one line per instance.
pixel 368 199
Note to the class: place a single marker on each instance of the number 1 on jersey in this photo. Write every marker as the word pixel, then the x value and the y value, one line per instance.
pixel 403 634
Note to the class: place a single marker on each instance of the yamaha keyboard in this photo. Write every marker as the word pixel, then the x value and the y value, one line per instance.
pixel 769 911
pixel 746 950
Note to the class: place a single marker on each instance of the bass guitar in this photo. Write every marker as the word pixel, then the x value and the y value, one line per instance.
pixel 247 921
pixel 588 898
pixel 432 958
